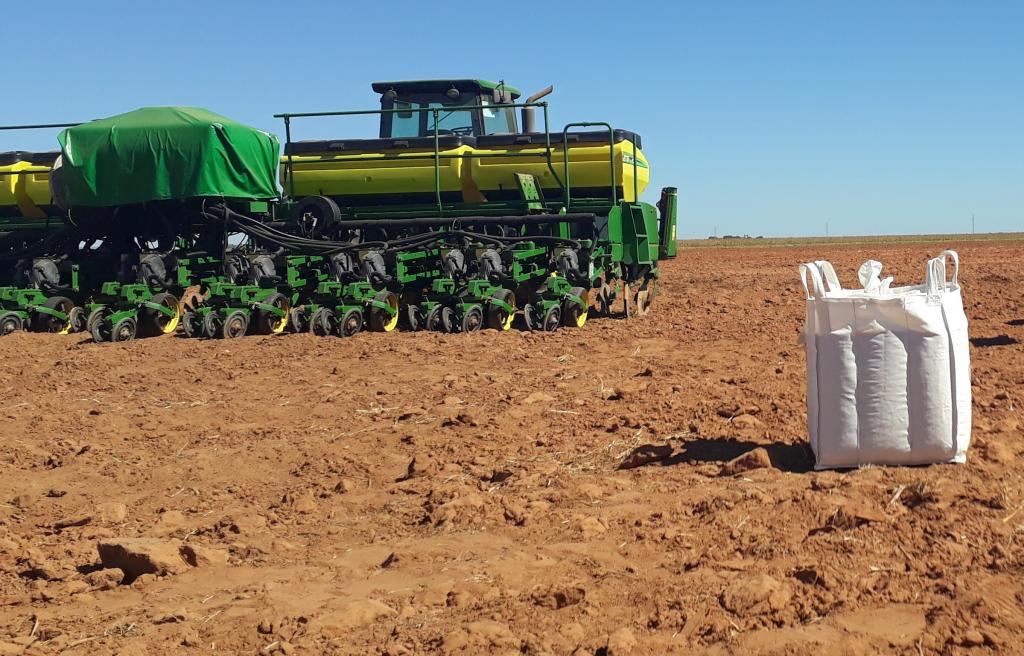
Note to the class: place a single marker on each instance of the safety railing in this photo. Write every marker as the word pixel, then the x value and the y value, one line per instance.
pixel 39 126
pixel 567 196
pixel 437 156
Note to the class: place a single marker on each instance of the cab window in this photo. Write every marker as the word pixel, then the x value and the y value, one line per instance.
pixel 497 120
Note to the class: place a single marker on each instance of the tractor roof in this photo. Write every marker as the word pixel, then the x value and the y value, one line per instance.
pixel 440 86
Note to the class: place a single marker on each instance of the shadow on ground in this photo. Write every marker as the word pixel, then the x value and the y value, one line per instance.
pixel 795 458
pixel 998 340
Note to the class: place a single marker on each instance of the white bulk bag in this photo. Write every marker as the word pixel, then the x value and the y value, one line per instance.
pixel 888 371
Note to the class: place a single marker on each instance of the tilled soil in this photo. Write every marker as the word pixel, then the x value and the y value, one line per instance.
pixel 507 493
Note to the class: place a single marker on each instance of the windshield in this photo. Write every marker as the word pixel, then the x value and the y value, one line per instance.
pixel 451 120
pixel 410 123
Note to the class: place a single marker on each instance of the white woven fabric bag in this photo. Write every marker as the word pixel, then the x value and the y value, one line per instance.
pixel 888 368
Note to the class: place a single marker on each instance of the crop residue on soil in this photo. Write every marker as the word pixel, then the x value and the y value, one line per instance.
pixel 634 487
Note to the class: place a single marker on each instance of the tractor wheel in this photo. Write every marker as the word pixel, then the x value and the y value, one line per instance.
pixel 124 330
pixel 47 323
pixel 552 319
pixel 235 325
pixel 498 317
pixel 99 324
pixel 472 319
pixel 380 319
pixel 351 323
pixel 269 323
pixel 153 322
pixel 77 319
pixel 324 322
pixel 212 324
pixel 9 323
pixel 573 315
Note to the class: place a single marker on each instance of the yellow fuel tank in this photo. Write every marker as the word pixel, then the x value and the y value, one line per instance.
pixel 589 166
pixel 359 172
pixel 28 193
pixel 353 172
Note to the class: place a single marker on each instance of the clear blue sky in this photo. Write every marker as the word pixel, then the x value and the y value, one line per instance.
pixel 772 117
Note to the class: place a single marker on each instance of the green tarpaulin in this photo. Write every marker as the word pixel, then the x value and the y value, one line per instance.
pixel 161 153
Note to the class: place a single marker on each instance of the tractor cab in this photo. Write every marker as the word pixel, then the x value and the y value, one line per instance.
pixel 469 108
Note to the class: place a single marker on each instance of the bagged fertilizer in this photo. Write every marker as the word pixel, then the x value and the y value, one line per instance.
pixel 888 370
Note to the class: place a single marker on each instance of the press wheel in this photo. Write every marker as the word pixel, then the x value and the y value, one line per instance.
pixel 433 320
pixel 498 317
pixel 531 317
pixel 269 323
pixel 449 322
pixel 47 323
pixel 414 319
pixel 77 318
pixel 96 315
pixel 472 319
pixel 124 330
pixel 297 320
pixel 212 324
pixel 324 322
pixel 99 324
pixel 153 322
pixel 351 323
pixel 380 319
pixel 191 324
pixel 552 319
pixel 10 322
pixel 235 325
pixel 573 315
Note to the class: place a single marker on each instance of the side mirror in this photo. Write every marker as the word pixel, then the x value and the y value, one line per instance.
pixel 403 114
pixel 499 96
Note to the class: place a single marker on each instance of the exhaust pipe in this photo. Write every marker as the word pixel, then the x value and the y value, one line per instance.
pixel 529 115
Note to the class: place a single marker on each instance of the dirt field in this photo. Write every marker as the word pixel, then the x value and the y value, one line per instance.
pixel 421 493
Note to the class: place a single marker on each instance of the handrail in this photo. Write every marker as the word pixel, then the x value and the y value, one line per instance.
pixel 636 181
pixel 37 126
pixel 290 163
pixel 611 157
pixel 366 112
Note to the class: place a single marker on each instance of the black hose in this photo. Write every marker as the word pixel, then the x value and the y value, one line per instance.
pixel 282 239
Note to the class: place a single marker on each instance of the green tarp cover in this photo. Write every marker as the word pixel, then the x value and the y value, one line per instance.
pixel 161 153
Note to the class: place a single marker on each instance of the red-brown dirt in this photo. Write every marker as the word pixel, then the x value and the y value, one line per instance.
pixel 421 493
